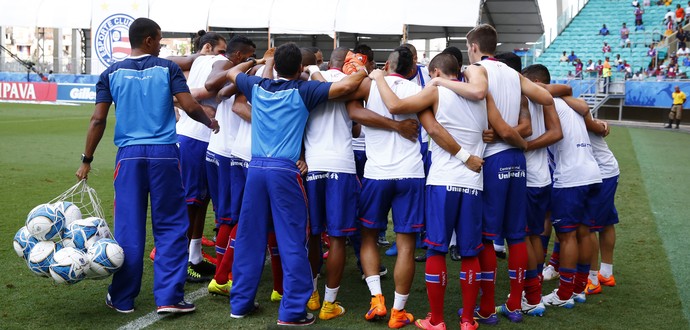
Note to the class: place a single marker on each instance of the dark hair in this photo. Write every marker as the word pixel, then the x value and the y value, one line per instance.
pixel 404 62
pixel 537 72
pixel 313 50
pixel 141 29
pixel 455 51
pixel 195 41
pixel 288 59
pixel 445 62
pixel 366 50
pixel 510 59
pixel 203 37
pixel 240 43
pixel 485 36
pixel 308 56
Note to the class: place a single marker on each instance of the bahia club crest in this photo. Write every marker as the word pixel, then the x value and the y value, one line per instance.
pixel 112 39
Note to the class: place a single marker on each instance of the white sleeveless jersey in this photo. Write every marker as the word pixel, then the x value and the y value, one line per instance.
pixel 504 86
pixel 575 163
pixel 358 142
pixel 389 155
pixel 328 135
pixel 221 142
pixel 464 120
pixel 608 165
pixel 198 74
pixel 538 174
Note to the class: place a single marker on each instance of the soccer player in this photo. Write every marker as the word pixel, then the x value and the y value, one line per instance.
pixel 331 183
pixel 147 165
pixel 274 188
pixel 393 178
pixel 577 181
pixel 454 185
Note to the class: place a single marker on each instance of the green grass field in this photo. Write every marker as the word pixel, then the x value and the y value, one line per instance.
pixel 40 147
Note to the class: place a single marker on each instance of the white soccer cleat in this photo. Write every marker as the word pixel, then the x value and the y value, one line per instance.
pixel 549 273
pixel 580 297
pixel 552 299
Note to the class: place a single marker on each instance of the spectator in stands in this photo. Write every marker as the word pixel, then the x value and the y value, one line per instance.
pixel 687 12
pixel 591 67
pixel 638 18
pixel 604 31
pixel 625 36
pixel 682 37
pixel 620 67
pixel 686 60
pixel 578 68
pixel 572 57
pixel 651 52
pixel 635 3
pixel 680 15
pixel 646 3
pixel 672 70
pixel 606 48
pixel 606 74
pixel 668 3
pixel 564 58
pixel 669 14
pixel 618 59
pixel 683 51
pixel 600 68
pixel 669 26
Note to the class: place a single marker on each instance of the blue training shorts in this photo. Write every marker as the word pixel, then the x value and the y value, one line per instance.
pixel 458 209
pixel 218 174
pixel 404 196
pixel 605 209
pixel 571 207
pixel 238 177
pixel 538 202
pixel 333 199
pixel 505 196
pixel 193 166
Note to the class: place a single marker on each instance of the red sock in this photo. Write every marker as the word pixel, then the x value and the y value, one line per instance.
pixel 517 263
pixel 224 269
pixel 276 267
pixel 222 239
pixel 487 263
pixel 567 283
pixel 581 278
pixel 469 284
pixel 532 287
pixel 436 281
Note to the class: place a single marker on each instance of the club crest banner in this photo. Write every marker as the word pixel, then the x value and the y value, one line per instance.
pixel 110 31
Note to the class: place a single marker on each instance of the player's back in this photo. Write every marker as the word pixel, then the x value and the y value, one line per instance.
pixel 538 174
pixel 504 86
pixel 201 69
pixel 389 155
pixel 608 165
pixel 465 120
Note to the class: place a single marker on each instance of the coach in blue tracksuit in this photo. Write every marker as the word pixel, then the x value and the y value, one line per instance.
pixel 147 163
pixel 274 188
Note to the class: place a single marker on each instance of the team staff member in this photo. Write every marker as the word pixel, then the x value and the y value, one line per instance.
pixel 677 109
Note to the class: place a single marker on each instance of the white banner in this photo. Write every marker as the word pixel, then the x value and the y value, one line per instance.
pixel 110 23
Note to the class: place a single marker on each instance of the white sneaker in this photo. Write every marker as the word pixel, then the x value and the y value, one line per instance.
pixel 549 273
pixel 580 297
pixel 533 310
pixel 552 299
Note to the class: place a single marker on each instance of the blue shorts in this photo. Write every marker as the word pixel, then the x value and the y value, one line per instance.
pixel 333 201
pixel 538 200
pixel 426 156
pixel 360 160
pixel 193 166
pixel 505 195
pixel 404 196
pixel 218 174
pixel 571 207
pixel 454 209
pixel 238 177
pixel 605 209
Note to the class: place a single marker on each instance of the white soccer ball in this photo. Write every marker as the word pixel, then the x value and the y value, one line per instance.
pixel 70 211
pixel 105 258
pixel 103 229
pixel 23 242
pixel 69 266
pixel 41 256
pixel 80 235
pixel 45 221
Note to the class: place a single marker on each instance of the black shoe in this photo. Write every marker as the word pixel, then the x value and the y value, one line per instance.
pixel 307 320
pixel 453 250
pixel 421 258
pixel 501 254
pixel 194 276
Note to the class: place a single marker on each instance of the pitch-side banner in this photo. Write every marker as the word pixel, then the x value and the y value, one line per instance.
pixel 110 23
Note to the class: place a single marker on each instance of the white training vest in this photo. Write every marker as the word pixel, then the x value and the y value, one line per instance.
pixel 575 163
pixel 537 161
pixel 328 135
pixel 504 86
pixel 221 142
pixel 464 120
pixel 389 155
pixel 608 165
pixel 198 74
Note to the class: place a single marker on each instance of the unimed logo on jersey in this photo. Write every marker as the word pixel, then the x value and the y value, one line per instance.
pixel 112 39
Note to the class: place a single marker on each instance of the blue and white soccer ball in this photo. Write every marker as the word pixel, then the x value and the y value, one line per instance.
pixel 24 242
pixel 40 257
pixel 69 266
pixel 105 258
pixel 45 221
pixel 102 225
pixel 80 235
pixel 70 211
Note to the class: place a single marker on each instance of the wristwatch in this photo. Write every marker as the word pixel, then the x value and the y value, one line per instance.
pixel 86 160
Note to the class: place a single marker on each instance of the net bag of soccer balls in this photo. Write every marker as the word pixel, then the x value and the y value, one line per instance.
pixel 68 240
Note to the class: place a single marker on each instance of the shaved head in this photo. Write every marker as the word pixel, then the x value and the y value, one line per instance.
pixel 308 57
pixel 338 57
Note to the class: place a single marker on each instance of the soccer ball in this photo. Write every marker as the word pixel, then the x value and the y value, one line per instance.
pixel 23 242
pixel 41 256
pixel 69 266
pixel 105 257
pixel 80 235
pixel 103 229
pixel 70 211
pixel 45 221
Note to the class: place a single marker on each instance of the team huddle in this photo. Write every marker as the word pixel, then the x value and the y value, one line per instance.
pixel 467 158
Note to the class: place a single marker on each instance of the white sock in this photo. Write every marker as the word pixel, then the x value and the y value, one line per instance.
pixel 453 240
pixel 400 300
pixel 195 251
pixel 593 277
pixel 315 282
pixel 606 270
pixel 374 284
pixel 330 294
pixel 499 248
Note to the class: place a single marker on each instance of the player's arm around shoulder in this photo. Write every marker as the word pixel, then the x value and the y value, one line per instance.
pixel 476 87
pixel 196 111
pixel 442 137
pixel 408 105
pixel 553 133
pixel 507 133
pixel 534 92
pixel 347 88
